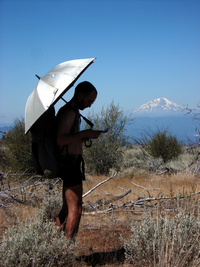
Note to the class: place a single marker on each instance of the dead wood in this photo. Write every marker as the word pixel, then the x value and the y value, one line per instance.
pixel 111 177
pixel 143 200
pixel 102 202
pixel 25 191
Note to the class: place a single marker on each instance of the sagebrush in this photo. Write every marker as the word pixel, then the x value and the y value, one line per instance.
pixel 51 207
pixel 35 243
pixel 164 240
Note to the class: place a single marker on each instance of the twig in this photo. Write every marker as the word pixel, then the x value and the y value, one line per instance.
pixel 160 198
pixel 146 188
pixel 117 197
pixel 102 202
pixel 111 177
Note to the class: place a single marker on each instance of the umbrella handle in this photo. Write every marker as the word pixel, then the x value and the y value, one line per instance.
pixel 88 121
pixel 88 143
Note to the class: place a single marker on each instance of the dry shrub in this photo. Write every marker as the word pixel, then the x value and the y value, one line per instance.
pixel 34 243
pixel 51 207
pixel 164 241
pixel 137 161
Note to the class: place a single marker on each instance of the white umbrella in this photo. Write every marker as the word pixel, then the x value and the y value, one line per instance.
pixel 51 87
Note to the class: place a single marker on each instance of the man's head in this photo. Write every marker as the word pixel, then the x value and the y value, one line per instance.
pixel 85 95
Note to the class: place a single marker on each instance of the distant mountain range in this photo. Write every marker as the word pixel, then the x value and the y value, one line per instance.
pixel 159 113
pixel 162 114
pixel 158 107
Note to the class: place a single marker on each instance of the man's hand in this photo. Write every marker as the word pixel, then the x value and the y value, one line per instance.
pixel 90 134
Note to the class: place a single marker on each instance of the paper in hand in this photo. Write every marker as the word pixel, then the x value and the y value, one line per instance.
pixel 104 131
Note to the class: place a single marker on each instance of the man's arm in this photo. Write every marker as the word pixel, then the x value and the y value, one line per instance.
pixel 65 124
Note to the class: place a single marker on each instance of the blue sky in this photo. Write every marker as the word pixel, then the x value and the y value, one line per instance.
pixel 143 49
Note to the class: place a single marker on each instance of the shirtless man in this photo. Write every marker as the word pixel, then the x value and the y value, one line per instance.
pixel 69 140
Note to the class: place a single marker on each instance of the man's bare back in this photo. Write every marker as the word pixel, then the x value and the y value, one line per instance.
pixel 68 119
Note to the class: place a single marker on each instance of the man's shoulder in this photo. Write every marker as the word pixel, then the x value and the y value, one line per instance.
pixel 66 109
pixel 67 112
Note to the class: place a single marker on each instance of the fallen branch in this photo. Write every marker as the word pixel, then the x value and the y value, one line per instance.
pixel 111 177
pixel 138 203
pixel 27 191
pixel 160 198
pixel 110 209
pixel 101 202
pixel 145 188
pixel 117 197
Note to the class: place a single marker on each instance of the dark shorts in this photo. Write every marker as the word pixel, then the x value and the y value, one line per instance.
pixel 71 170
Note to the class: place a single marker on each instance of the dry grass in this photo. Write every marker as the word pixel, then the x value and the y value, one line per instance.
pixel 100 231
pixel 167 186
pixel 26 212
pixel 159 185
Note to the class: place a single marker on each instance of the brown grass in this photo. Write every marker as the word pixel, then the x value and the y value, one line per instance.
pixel 159 185
pixel 99 233
pixel 167 186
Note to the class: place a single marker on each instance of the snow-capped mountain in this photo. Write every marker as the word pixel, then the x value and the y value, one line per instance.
pixel 158 107
pixel 162 114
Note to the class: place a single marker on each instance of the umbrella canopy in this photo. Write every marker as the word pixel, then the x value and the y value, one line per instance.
pixel 51 87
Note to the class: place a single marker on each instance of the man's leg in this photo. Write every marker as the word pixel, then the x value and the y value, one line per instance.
pixel 64 211
pixel 73 198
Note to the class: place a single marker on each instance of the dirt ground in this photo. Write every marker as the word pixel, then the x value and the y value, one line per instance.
pixel 99 242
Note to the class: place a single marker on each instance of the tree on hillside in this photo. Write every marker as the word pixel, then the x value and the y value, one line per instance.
pixel 16 148
pixel 106 151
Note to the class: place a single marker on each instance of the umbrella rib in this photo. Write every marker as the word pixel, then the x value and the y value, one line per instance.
pixel 55 89
pixel 35 107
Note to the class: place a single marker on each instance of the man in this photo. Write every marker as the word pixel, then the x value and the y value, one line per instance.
pixel 69 140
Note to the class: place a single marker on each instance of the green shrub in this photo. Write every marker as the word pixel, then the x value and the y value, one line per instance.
pixel 16 148
pixel 106 151
pixel 164 145
pixel 161 144
pixel 35 244
pixel 164 241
